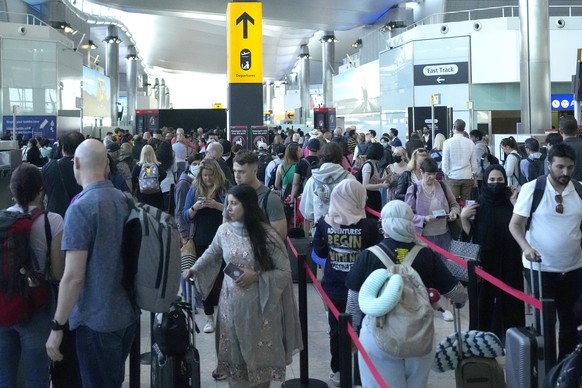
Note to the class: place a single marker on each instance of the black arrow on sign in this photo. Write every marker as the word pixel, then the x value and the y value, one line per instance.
pixel 245 18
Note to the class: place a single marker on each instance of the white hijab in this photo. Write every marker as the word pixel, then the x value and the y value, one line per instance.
pixel 397 222
pixel 346 206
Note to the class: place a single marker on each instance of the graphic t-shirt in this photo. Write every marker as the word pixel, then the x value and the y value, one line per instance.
pixel 342 248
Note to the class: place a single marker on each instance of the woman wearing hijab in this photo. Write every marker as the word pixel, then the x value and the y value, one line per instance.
pixel 340 236
pixel 400 238
pixel 486 223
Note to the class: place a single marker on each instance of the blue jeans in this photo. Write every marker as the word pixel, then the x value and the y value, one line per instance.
pixel 28 340
pixel 102 355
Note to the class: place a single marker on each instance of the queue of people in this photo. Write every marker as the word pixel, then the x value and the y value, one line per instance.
pixel 241 222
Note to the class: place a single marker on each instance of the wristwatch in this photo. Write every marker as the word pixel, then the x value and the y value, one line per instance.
pixel 56 326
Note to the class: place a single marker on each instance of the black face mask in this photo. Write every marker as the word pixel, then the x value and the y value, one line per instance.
pixel 397 158
pixel 496 188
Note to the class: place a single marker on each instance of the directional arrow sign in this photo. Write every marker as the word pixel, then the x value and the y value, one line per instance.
pixel 245 42
pixel 245 18
pixel 441 73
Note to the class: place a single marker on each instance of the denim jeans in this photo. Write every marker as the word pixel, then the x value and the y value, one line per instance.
pixel 102 355
pixel 28 340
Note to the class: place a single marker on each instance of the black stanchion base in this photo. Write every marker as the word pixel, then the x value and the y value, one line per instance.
pixel 145 358
pixel 311 383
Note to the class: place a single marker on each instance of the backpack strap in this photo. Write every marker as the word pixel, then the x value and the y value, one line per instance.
pixel 537 197
pixel 381 252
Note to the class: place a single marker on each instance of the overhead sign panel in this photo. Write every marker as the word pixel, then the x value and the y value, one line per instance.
pixel 245 42
pixel 441 73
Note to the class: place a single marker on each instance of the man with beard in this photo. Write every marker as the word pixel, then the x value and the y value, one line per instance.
pixel 552 239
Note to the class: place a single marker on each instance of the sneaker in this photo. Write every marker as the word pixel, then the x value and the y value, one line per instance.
pixel 447 316
pixel 209 327
pixel 335 378
pixel 217 376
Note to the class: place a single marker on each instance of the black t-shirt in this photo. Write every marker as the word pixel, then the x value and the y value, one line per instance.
pixel 432 270
pixel 60 184
pixel 304 167
pixel 342 248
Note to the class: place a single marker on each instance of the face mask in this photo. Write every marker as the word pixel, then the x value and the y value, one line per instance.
pixel 194 170
pixel 496 188
pixel 385 145
pixel 397 158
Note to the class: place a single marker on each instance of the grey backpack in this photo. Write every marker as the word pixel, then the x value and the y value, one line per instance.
pixel 149 178
pixel 322 189
pixel 408 329
pixel 151 254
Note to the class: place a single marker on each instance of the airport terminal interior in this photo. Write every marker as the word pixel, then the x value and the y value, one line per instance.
pixel 507 68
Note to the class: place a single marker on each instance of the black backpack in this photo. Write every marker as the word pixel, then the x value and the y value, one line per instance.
pixel 174 329
pixel 488 159
pixel 535 167
pixel 358 174
pixel 521 179
pixel 264 160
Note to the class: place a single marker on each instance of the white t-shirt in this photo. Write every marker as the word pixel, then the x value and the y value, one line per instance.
pixel 38 235
pixel 555 236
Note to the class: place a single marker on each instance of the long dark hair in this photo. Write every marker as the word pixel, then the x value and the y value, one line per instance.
pixel 254 221
pixel 25 184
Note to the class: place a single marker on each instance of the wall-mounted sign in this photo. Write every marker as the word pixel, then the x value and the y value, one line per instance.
pixel 441 73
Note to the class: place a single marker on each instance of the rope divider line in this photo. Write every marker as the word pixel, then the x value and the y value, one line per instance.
pixel 335 312
pixel 536 303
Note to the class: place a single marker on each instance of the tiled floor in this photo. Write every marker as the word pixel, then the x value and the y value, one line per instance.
pixel 318 347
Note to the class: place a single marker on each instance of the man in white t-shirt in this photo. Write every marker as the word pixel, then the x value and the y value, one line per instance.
pixel 552 242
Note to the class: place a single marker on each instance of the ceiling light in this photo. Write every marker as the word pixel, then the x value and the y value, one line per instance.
pixel 357 44
pixel 112 39
pixel 90 45
pixel 328 39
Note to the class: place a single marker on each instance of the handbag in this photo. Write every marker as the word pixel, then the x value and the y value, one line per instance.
pixel 466 251
pixel 188 255
pixel 567 373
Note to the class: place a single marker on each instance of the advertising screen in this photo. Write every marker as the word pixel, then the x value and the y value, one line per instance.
pixel 96 94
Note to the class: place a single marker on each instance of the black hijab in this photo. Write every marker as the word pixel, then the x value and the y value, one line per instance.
pixel 494 213
pixel 487 195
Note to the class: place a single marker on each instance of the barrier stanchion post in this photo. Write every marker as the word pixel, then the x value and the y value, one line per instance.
pixel 134 359
pixel 549 317
pixel 304 380
pixel 345 351
pixel 473 290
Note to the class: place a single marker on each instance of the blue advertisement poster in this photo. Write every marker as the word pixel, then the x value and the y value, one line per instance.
pixel 29 126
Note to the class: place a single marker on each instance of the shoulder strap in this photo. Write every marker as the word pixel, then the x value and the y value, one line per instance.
pixel 411 256
pixel 537 197
pixel 444 188
pixel 380 254
pixel 265 204
pixel 577 187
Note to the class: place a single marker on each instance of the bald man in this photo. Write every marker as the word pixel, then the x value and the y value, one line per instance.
pixel 92 300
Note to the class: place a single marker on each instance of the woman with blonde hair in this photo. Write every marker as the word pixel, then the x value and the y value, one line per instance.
pixel 412 173
pixel 437 150
pixel 203 213
pixel 146 178
pixel 286 170
pixel 395 170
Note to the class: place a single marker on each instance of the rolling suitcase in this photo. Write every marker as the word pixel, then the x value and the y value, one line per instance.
pixel 475 371
pixel 526 352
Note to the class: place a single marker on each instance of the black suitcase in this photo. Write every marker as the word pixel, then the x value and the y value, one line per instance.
pixel 180 371
pixel 529 351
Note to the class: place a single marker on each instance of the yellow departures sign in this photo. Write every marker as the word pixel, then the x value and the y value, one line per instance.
pixel 245 42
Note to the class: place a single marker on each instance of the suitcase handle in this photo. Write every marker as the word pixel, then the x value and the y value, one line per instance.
pixel 533 290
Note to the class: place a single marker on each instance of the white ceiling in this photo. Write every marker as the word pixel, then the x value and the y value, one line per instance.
pixel 177 35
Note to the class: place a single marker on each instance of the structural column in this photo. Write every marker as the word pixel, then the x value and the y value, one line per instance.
pixel 112 68
pixel 162 94
pixel 131 73
pixel 328 59
pixel 535 65
pixel 304 79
